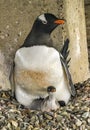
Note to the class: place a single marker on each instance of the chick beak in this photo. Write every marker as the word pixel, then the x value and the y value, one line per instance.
pixel 59 21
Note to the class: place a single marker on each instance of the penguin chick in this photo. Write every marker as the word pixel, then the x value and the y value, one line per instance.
pixel 50 102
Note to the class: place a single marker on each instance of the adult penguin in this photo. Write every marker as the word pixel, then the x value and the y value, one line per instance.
pixel 39 68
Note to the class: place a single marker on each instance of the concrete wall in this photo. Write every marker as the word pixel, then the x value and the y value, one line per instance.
pixel 87 14
pixel 76 26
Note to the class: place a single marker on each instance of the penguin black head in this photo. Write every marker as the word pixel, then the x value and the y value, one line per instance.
pixel 41 30
pixel 46 23
pixel 51 89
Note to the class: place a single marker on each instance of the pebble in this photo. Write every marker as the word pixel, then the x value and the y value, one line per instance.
pixel 78 122
pixel 74 127
pixel 59 118
pixel 14 123
pixel 40 117
pixel 47 116
pixel 86 115
pixel 88 120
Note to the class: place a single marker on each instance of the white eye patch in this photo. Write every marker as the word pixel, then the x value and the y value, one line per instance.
pixel 43 19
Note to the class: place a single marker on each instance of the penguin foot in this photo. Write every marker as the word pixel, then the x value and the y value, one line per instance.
pixel 62 103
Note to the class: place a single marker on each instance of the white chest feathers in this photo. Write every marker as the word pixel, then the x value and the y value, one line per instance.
pixel 36 68
pixel 38 58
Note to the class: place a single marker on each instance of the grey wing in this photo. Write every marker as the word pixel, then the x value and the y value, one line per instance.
pixel 65 66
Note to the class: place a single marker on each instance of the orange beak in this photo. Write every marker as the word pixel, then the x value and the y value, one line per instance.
pixel 59 21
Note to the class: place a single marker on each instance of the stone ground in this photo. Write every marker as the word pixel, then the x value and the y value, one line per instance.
pixel 74 116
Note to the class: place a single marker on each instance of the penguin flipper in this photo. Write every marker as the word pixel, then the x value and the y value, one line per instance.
pixel 64 50
pixel 11 78
pixel 65 66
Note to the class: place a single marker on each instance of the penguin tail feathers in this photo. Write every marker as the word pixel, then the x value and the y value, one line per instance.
pixel 65 51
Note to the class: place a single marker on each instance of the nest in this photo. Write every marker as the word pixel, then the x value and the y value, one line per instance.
pixel 74 116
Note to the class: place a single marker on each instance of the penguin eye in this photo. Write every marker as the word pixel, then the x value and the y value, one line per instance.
pixel 44 22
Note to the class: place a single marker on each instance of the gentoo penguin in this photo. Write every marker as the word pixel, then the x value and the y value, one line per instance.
pixel 38 65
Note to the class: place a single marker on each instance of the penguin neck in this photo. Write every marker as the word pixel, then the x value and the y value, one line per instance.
pixel 35 38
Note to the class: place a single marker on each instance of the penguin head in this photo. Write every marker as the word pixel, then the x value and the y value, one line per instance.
pixel 41 30
pixel 46 23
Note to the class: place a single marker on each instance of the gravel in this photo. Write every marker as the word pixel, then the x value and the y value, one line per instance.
pixel 74 116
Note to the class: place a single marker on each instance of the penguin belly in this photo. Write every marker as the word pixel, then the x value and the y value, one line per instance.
pixel 36 68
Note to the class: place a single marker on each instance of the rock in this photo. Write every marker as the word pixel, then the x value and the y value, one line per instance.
pixel 14 123
pixel 47 116
pixel 86 114
pixel 88 120
pixel 78 122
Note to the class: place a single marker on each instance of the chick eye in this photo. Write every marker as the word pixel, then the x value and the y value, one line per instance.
pixel 44 22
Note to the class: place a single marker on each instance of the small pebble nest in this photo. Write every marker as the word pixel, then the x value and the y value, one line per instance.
pixel 74 116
